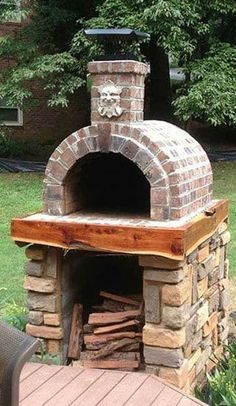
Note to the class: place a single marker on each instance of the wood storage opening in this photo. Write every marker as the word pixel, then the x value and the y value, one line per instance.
pixel 102 310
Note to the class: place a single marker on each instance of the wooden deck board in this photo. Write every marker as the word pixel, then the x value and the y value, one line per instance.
pixel 124 390
pixel 146 393
pixel 98 390
pixel 53 385
pixel 186 402
pixel 75 388
pixel 36 379
pixel 45 385
pixel 29 369
pixel 167 397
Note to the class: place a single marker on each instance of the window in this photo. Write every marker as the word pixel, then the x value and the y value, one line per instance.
pixel 15 9
pixel 10 116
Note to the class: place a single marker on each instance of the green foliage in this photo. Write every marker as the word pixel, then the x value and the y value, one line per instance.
pixel 210 94
pixel 53 50
pixel 11 11
pixel 227 190
pixel 201 36
pixel 45 358
pixel 12 313
pixel 221 385
pixel 11 148
pixel 21 194
pixel 42 52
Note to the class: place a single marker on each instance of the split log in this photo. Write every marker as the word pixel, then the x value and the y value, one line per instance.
pixel 112 364
pixel 111 306
pixel 137 297
pixel 116 327
pixel 75 341
pixel 99 308
pixel 124 360
pixel 141 307
pixel 104 338
pixel 100 319
pixel 121 299
pixel 87 329
pixel 134 346
pixel 88 355
pixel 111 347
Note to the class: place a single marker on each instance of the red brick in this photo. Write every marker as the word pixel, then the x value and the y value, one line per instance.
pixel 57 171
pixel 104 136
pixel 153 173
pixel 54 192
pixel 129 149
pixel 143 158
pixel 68 157
pixel 160 213
pixel 159 196
pixel 116 143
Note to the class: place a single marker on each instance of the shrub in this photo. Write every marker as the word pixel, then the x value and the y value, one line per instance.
pixel 11 148
pixel 45 358
pixel 220 389
pixel 13 314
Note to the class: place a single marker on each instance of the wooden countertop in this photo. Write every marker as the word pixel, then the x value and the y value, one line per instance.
pixel 136 235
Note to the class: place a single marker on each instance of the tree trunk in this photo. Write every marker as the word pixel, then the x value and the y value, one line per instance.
pixel 160 89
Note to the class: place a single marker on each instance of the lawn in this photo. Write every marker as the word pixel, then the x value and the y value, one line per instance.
pixel 21 195
pixel 225 188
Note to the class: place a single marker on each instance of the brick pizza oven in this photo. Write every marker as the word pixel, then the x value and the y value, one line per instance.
pixel 128 210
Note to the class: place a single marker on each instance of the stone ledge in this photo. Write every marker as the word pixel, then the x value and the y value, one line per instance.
pixel 51 319
pixel 162 356
pixel 54 333
pixel 175 376
pixel 176 295
pixel 39 284
pixel 158 336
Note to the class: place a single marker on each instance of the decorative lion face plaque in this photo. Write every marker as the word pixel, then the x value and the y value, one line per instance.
pixel 109 102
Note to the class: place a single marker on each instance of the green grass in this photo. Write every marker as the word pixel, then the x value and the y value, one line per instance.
pixel 225 188
pixel 21 195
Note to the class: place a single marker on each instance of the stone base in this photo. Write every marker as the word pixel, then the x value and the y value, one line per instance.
pixel 185 308
pixel 185 333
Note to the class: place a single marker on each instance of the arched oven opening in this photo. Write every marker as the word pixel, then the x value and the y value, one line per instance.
pixel 107 183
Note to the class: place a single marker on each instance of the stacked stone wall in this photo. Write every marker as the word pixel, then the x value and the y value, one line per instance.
pixel 186 312
pixel 42 281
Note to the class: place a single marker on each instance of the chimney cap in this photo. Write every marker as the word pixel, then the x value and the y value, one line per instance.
pixel 114 39
pixel 126 34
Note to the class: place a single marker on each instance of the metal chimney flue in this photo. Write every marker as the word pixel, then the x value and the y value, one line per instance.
pixel 116 43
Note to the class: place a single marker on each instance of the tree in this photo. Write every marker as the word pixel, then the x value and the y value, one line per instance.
pixel 42 51
pixel 199 35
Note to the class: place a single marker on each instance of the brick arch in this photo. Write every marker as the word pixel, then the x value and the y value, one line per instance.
pixel 148 163
pixel 175 165
pixel 89 140
pixel 185 163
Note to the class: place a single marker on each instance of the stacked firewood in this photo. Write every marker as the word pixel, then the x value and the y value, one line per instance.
pixel 112 336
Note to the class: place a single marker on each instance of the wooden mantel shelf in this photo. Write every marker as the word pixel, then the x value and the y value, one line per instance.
pixel 172 239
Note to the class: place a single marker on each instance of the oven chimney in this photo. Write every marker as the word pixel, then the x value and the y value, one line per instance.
pixel 117 77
